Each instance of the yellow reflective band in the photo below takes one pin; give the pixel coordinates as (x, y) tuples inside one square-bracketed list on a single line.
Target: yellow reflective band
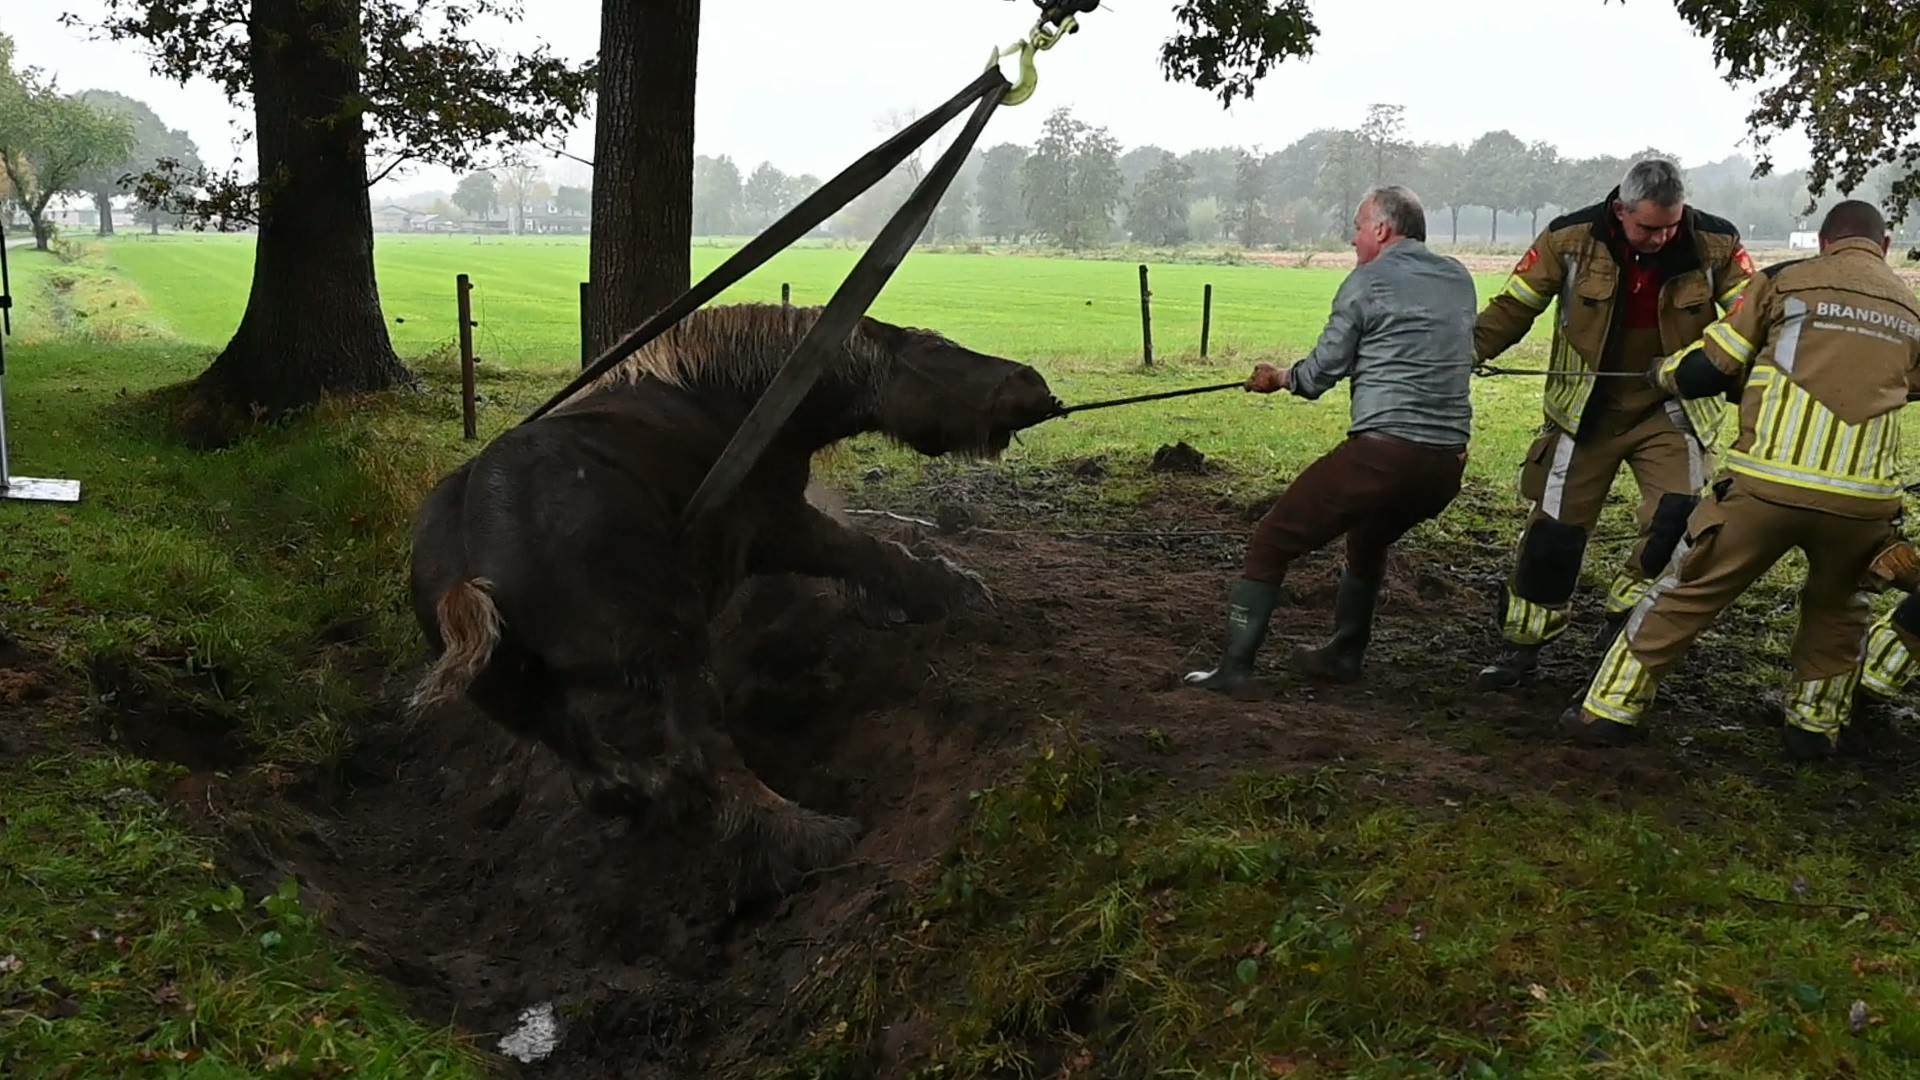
[(1820, 705), (1726, 299), (1731, 340), (1888, 667), (1815, 479), (1525, 293), (1621, 689), (1625, 591)]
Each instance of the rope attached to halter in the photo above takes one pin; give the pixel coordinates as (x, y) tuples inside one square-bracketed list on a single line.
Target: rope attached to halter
[(1069, 410), (1489, 369)]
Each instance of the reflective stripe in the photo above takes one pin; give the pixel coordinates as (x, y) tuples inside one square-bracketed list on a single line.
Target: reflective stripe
[(1800, 442), (1621, 689), (1555, 495), (1667, 581), (1726, 299), (1821, 705), (1528, 623), (1810, 478), (1696, 453), (1788, 348), (1525, 293), (1731, 341), (1626, 591), (1887, 667)]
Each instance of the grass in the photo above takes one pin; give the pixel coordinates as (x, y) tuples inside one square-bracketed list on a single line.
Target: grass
[(127, 953), (1078, 321), (1289, 926), (1307, 926)]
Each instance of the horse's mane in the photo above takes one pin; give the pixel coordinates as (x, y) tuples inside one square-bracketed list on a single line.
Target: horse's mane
[(738, 348)]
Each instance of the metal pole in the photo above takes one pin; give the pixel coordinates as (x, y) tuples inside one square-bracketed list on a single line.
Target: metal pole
[(586, 354), (463, 288), (23, 488), (1146, 318), (1206, 318)]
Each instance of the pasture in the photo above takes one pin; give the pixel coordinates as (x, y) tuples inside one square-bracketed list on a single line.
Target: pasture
[(224, 853)]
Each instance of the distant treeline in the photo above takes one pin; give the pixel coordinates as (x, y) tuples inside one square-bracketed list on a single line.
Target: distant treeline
[(1076, 187)]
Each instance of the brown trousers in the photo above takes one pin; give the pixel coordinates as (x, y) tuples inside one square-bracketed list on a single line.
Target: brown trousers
[(1736, 538), (1370, 489), (1568, 481)]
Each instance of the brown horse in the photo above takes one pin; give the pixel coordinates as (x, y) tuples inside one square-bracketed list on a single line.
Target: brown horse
[(555, 584)]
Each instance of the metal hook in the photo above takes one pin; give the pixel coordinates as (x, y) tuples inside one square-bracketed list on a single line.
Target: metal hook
[(1039, 39)]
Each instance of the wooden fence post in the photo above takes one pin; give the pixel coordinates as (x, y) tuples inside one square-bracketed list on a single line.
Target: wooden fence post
[(463, 290), (1146, 318), (586, 298), (1206, 318), (786, 294)]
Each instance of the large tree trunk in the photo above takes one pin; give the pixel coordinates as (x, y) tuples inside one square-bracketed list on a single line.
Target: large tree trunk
[(1493, 233), (640, 255), (103, 202), (42, 228), (1456, 224), (312, 325)]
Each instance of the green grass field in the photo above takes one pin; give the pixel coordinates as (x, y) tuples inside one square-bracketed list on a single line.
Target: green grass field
[(1078, 321), (1605, 940)]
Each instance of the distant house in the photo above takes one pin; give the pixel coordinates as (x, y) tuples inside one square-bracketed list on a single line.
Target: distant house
[(394, 218), (1804, 241), (548, 217)]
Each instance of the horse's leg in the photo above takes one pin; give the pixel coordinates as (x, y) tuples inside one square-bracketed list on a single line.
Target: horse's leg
[(774, 839), (809, 542)]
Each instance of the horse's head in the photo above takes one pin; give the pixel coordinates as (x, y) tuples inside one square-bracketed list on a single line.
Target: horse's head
[(942, 398)]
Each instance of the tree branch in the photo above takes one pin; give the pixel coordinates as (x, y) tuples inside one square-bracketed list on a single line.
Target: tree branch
[(559, 151), (399, 159)]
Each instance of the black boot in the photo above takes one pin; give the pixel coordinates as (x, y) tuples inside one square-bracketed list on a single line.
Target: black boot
[(1339, 660), (1575, 724), (1804, 745), (1250, 605), (1610, 629), (1514, 665)]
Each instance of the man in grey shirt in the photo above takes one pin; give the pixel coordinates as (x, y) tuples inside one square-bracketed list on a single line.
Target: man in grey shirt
[(1402, 332)]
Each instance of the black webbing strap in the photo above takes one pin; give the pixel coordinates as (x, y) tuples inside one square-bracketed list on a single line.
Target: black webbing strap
[(1137, 399), (828, 333), (796, 223)]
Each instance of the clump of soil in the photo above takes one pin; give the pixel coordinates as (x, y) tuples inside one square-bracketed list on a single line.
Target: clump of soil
[(1179, 458)]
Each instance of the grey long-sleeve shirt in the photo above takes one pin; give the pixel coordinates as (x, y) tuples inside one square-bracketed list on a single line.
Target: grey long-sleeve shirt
[(1402, 330)]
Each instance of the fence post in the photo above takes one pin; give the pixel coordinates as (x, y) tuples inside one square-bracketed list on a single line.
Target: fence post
[(586, 298), (1146, 318), (463, 288), (786, 294), (1206, 318)]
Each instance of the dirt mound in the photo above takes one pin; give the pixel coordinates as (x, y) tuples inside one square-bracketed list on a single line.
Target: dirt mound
[(1179, 458), (462, 862)]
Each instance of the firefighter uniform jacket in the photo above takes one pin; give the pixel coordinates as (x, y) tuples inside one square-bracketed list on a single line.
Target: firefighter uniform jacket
[(1704, 268), (1821, 354)]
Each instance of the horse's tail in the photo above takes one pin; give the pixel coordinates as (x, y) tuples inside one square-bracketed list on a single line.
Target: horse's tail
[(469, 632)]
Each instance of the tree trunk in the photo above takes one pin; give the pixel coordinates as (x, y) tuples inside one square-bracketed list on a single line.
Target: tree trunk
[(1456, 224), (103, 202), (42, 228), (153, 223), (641, 252), (312, 324), (1535, 229), (1493, 235)]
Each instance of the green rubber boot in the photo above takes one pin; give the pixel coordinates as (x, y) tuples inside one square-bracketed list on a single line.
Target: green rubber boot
[(1341, 658), (1250, 605)]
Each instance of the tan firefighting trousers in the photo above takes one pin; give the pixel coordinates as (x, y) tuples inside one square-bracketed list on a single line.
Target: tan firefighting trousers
[(1733, 538), (1889, 663), (1568, 480)]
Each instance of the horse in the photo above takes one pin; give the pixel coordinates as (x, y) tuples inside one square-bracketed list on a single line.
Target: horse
[(561, 594)]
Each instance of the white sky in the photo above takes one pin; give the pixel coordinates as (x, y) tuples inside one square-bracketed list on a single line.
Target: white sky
[(809, 84)]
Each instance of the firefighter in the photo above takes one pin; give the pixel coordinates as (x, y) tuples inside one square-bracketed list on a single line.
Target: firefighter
[(1820, 354), (1888, 662), (1637, 276)]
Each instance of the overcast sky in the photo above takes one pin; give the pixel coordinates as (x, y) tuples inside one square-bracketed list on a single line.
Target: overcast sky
[(810, 85)]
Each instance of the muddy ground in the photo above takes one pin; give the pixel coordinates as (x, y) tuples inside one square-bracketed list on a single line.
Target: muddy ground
[(462, 865)]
